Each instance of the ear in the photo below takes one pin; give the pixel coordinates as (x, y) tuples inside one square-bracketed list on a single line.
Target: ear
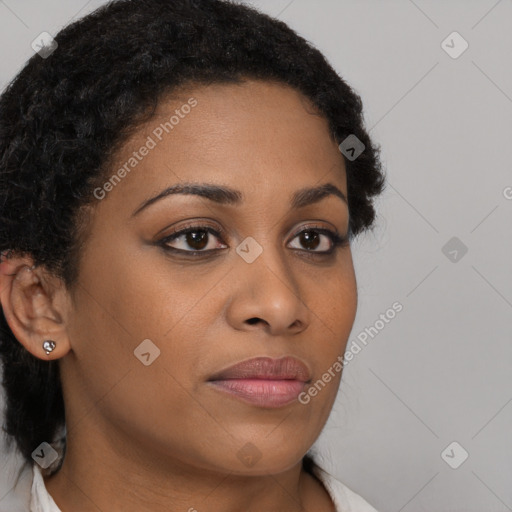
[(36, 306)]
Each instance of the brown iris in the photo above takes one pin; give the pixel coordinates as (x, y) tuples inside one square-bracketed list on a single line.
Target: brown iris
[(306, 237), (197, 239)]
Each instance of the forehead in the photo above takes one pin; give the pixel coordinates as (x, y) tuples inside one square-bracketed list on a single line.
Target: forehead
[(256, 135)]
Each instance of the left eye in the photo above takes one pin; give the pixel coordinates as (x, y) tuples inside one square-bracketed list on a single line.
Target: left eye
[(198, 239), (311, 239)]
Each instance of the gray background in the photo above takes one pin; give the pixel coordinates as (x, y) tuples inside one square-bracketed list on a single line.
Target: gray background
[(441, 370)]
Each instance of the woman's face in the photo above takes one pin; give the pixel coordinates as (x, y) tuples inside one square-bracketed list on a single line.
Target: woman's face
[(259, 289)]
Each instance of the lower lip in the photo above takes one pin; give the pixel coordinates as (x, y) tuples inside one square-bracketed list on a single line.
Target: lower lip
[(262, 392)]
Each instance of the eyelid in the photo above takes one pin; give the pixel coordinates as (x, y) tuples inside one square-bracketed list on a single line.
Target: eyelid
[(198, 225), (314, 225)]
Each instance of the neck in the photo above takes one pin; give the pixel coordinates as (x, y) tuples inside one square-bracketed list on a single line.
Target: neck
[(97, 477)]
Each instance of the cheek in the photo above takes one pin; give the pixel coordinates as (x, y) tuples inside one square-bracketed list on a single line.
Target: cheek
[(335, 312), (335, 298), (149, 300), (341, 309), (115, 315)]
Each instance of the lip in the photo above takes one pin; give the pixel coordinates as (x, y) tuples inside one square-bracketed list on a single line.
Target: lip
[(285, 368), (263, 381)]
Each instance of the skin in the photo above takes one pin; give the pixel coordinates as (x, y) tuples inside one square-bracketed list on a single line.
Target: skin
[(157, 437)]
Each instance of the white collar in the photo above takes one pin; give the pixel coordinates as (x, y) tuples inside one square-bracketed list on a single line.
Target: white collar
[(40, 499), (344, 498)]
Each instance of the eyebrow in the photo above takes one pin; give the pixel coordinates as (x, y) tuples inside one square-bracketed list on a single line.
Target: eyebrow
[(226, 195)]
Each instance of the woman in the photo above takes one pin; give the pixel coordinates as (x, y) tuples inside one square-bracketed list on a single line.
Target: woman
[(181, 182)]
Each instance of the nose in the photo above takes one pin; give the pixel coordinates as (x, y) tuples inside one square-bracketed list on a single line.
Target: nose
[(265, 295)]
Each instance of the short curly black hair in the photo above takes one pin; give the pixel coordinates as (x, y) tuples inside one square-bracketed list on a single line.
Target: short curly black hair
[(63, 117)]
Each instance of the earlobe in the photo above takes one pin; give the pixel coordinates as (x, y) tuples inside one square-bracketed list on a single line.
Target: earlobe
[(31, 309)]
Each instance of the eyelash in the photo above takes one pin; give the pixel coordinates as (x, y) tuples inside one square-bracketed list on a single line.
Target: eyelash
[(337, 240)]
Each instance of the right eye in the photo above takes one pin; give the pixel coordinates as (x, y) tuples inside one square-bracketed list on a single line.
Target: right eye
[(196, 237)]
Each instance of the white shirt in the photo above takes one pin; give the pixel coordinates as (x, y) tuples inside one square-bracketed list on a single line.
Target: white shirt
[(39, 500)]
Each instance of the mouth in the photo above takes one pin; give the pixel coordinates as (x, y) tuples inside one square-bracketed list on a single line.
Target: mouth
[(263, 381)]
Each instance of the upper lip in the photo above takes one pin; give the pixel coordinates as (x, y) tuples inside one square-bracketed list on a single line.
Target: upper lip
[(284, 368)]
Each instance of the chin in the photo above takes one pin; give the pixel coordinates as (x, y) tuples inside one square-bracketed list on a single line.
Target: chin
[(251, 461)]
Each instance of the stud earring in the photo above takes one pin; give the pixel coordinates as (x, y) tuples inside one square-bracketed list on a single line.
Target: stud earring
[(48, 346)]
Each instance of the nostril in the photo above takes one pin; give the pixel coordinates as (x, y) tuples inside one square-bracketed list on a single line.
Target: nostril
[(253, 320)]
